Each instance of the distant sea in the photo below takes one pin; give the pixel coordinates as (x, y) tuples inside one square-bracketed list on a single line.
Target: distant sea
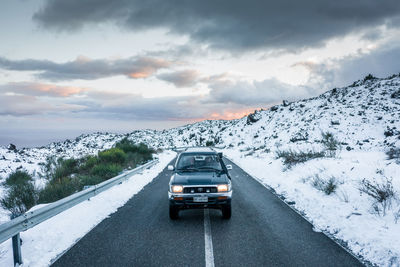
[(35, 138)]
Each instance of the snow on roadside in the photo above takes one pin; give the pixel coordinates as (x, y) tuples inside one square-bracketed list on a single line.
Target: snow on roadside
[(346, 214), (44, 242)]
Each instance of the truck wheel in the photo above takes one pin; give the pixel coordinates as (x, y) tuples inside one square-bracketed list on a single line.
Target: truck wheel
[(226, 211), (173, 212)]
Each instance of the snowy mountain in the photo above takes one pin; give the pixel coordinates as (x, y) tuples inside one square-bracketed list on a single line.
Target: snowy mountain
[(334, 191), (364, 116)]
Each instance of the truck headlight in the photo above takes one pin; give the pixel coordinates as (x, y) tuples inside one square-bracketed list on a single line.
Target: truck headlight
[(177, 188), (223, 188)]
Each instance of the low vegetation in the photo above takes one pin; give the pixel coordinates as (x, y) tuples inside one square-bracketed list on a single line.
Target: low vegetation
[(21, 194), (394, 153), (382, 192), (67, 176), (328, 186), (292, 157), (330, 143)]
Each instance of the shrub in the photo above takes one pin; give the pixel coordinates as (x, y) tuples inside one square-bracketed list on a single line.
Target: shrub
[(89, 162), (64, 168), (89, 180), (113, 155), (133, 159), (47, 168), (299, 136), (382, 193), (128, 146), (56, 190), (21, 194), (19, 198), (394, 153), (330, 143), (291, 157), (327, 186), (19, 177), (369, 77), (209, 143), (90, 170), (106, 170)]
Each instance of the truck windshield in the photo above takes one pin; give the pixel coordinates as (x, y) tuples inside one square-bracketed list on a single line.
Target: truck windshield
[(199, 162)]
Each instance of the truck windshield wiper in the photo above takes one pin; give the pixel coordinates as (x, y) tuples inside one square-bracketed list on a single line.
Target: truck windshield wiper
[(210, 168), (187, 168)]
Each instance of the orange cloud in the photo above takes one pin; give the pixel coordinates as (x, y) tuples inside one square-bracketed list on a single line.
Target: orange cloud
[(41, 89), (229, 114), (63, 91), (147, 66), (140, 74)]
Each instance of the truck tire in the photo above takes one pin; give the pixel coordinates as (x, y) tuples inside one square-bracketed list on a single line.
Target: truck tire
[(173, 212), (226, 211)]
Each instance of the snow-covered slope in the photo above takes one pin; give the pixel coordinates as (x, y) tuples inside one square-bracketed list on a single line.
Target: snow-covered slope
[(363, 117)]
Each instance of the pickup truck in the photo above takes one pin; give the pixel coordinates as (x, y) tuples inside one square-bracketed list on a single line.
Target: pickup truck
[(200, 181)]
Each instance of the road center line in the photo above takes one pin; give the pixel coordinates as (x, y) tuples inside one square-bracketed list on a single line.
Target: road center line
[(208, 246)]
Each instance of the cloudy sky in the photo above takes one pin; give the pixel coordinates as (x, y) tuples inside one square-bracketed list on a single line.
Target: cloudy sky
[(80, 66)]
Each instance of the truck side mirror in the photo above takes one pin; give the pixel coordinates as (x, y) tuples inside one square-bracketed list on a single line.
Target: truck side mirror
[(220, 155), (170, 167)]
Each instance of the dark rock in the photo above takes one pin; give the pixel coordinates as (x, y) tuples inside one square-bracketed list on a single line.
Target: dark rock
[(12, 147), (348, 148), (253, 117), (388, 132), (396, 94), (274, 108), (285, 103)]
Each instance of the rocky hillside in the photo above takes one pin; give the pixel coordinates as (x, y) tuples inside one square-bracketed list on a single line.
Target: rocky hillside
[(362, 116)]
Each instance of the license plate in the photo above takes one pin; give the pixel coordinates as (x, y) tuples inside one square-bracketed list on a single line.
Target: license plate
[(200, 199)]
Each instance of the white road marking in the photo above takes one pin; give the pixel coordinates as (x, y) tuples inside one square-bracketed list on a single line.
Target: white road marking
[(208, 246)]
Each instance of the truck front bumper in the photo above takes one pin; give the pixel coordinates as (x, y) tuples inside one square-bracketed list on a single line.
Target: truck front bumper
[(190, 201)]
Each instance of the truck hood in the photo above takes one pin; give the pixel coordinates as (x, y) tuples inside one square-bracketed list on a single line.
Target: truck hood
[(199, 178)]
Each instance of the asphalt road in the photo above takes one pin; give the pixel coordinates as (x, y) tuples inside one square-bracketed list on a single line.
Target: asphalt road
[(263, 231)]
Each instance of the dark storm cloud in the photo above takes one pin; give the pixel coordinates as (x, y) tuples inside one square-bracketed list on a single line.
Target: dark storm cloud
[(229, 24), (184, 78), (88, 69), (381, 63)]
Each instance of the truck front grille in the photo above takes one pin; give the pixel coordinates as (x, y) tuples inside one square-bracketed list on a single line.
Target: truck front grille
[(200, 189)]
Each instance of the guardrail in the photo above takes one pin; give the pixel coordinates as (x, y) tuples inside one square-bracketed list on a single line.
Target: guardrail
[(11, 229)]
